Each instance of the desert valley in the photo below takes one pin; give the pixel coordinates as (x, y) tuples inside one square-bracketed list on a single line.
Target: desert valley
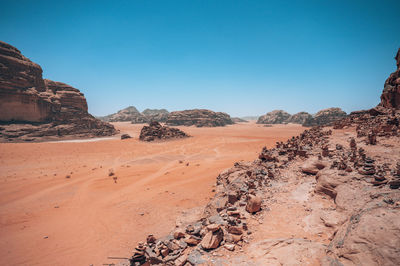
[(168, 184)]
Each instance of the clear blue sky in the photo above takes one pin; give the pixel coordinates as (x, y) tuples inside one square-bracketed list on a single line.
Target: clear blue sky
[(240, 57)]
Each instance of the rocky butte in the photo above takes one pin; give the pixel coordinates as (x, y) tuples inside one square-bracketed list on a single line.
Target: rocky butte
[(33, 108), (199, 118)]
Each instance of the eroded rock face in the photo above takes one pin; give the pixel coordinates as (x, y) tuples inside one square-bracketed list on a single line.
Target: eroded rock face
[(390, 97), (32, 107), (155, 131), (299, 118), (325, 117), (274, 117), (199, 118)]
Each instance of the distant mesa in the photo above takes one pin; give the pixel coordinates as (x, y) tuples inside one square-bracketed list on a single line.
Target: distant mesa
[(199, 118), (325, 117), (131, 114), (155, 131), (33, 108), (274, 117), (390, 97), (239, 120)]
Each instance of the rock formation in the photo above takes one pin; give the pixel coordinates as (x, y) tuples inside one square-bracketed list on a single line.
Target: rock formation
[(130, 114), (159, 115), (390, 97), (199, 118), (274, 117), (155, 131), (33, 108), (325, 117), (299, 118), (356, 181)]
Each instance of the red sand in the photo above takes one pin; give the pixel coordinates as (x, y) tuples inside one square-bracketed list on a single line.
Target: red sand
[(48, 219)]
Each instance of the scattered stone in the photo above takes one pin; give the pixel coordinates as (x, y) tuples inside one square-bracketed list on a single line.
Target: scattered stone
[(125, 136)]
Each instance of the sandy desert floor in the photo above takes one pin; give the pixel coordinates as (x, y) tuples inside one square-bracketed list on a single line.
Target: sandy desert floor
[(59, 206)]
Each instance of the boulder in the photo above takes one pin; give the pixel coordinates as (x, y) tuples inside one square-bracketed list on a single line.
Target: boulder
[(253, 204), (212, 239)]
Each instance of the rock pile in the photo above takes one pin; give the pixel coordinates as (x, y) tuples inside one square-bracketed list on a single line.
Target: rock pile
[(155, 131), (199, 118), (33, 108)]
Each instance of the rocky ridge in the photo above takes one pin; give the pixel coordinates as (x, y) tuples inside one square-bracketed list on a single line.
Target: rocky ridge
[(34, 109), (155, 131), (199, 118)]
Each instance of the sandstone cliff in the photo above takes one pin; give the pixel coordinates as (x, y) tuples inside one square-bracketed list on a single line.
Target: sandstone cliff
[(199, 118), (390, 97), (32, 108)]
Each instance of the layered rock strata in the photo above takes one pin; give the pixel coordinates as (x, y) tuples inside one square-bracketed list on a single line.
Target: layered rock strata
[(33, 108)]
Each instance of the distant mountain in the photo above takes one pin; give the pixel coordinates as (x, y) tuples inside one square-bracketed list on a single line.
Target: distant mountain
[(128, 114)]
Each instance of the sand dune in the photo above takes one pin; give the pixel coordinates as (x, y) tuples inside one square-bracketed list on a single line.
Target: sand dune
[(59, 206)]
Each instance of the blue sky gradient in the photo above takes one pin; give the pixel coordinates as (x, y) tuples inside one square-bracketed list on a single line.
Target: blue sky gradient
[(240, 57)]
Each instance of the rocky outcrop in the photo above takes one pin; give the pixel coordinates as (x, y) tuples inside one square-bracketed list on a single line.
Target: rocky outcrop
[(159, 115), (274, 117), (199, 118), (130, 114), (325, 117), (299, 118), (390, 97), (155, 131), (33, 108)]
